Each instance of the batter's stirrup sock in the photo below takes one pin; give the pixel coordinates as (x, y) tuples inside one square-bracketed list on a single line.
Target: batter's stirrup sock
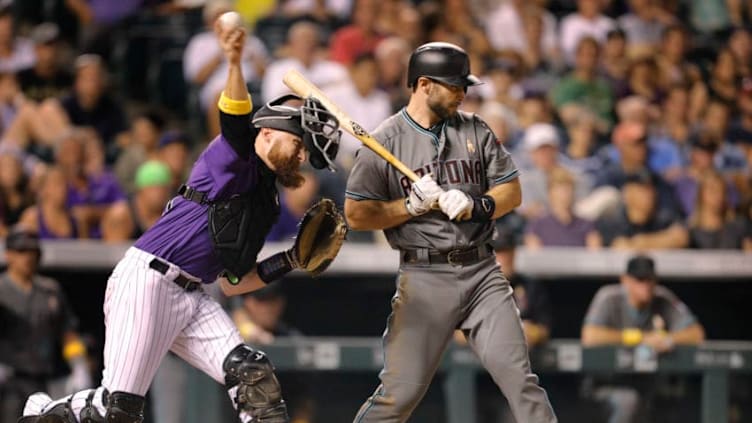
[(123, 407)]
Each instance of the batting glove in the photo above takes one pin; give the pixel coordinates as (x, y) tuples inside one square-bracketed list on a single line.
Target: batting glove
[(458, 205), (423, 194)]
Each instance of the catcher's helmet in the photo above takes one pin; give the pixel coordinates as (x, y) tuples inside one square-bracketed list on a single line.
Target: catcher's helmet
[(443, 62), (312, 122)]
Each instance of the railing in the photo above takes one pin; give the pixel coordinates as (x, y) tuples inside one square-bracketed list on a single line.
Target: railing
[(714, 360), (364, 259)]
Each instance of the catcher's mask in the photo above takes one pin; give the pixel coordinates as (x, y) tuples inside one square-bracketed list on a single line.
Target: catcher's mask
[(318, 128)]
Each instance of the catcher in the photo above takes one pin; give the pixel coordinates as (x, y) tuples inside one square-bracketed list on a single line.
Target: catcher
[(216, 226)]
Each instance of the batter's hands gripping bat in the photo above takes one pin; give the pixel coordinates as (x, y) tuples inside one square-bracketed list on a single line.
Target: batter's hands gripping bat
[(304, 88)]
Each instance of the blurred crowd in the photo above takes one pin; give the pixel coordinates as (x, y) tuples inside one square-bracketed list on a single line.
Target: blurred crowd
[(631, 121)]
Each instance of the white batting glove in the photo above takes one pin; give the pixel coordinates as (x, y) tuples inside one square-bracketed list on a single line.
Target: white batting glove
[(423, 194), (456, 203)]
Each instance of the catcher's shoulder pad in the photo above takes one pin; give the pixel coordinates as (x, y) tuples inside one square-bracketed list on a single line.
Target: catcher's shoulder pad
[(321, 232)]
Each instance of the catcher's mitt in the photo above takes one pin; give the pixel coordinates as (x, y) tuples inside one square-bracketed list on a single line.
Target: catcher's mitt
[(321, 233)]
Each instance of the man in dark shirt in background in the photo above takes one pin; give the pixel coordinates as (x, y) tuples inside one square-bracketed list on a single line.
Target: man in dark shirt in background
[(36, 322)]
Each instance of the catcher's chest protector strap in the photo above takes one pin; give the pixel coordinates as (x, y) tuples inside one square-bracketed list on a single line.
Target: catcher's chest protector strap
[(239, 225)]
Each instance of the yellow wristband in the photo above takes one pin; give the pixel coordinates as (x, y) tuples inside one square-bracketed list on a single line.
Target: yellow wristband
[(631, 337), (74, 349), (234, 107)]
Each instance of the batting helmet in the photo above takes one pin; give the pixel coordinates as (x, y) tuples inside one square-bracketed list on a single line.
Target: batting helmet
[(444, 62), (312, 122)]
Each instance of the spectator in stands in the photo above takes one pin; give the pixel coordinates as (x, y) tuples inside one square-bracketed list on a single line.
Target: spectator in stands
[(740, 46), (508, 28), (47, 78), (636, 312), (16, 52), (15, 195), (581, 146), (674, 122), (51, 217), (587, 22), (629, 156), (583, 91), (642, 223), (702, 151), (723, 82), (90, 103), (259, 318), (175, 151), (205, 68), (663, 155), (710, 17), (541, 142), (453, 21), (740, 130), (503, 76), (138, 145), (730, 158), (401, 19), (36, 319), (641, 80), (91, 189), (392, 55), (559, 226), (293, 205), (358, 38), (129, 219), (303, 44), (644, 25), (614, 63), (713, 223), (674, 68)]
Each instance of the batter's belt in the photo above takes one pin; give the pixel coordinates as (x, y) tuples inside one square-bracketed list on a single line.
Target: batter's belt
[(459, 257)]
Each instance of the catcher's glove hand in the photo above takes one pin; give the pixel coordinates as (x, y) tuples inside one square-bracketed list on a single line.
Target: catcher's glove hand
[(321, 233)]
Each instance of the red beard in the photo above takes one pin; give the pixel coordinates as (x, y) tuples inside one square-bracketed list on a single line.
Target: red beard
[(286, 168)]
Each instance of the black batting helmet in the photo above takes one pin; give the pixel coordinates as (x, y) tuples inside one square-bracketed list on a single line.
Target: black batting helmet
[(312, 122), (444, 62)]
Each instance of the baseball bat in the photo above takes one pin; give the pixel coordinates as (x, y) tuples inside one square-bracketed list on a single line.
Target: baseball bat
[(305, 88)]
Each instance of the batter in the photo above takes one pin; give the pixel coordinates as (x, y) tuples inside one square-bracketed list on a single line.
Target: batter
[(448, 277)]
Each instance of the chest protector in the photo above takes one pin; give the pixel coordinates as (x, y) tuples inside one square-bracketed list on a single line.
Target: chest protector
[(240, 224)]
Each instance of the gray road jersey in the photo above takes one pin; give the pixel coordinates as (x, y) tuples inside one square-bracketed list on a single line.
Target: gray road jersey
[(466, 155), (610, 308)]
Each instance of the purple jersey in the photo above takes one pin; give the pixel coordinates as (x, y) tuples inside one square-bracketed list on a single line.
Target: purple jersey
[(181, 236)]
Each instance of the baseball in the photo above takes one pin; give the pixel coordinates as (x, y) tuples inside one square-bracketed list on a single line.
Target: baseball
[(231, 20)]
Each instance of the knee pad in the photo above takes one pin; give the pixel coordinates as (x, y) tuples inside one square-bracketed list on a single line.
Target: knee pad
[(123, 407), (249, 376)]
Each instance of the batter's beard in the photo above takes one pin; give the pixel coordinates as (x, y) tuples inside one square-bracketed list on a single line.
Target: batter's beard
[(286, 168), (440, 110)]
